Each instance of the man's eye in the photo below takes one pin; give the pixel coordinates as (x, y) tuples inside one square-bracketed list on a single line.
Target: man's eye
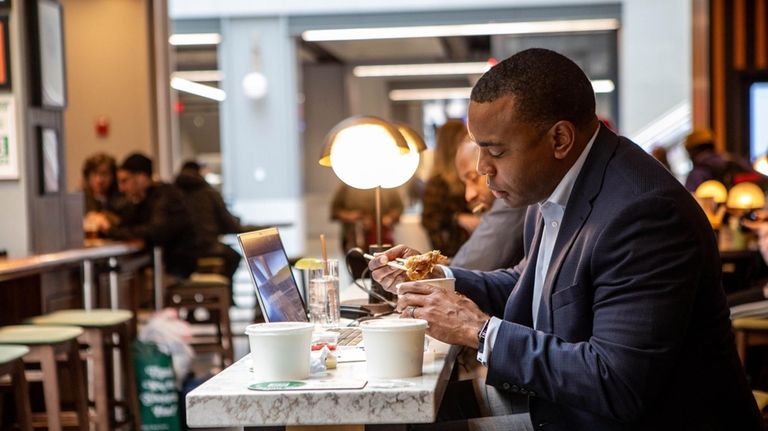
[(493, 152)]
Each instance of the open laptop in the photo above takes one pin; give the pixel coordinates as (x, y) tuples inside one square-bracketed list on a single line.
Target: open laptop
[(276, 289)]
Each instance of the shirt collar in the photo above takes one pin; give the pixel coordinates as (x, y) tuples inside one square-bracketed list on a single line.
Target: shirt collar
[(563, 190)]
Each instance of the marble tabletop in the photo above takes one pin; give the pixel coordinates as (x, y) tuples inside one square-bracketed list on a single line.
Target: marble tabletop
[(225, 400)]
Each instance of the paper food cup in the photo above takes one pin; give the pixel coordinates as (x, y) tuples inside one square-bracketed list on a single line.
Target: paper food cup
[(448, 284), (394, 348), (280, 350)]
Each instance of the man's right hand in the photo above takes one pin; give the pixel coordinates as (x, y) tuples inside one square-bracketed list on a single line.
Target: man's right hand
[(389, 277)]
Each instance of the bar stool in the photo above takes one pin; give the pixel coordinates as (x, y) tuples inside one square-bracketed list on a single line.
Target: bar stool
[(12, 366), (103, 331), (749, 332), (208, 292), (47, 345)]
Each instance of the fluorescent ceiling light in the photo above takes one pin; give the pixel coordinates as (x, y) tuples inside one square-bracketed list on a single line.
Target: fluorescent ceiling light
[(472, 68), (603, 86), (529, 27), (199, 75), (198, 89), (599, 85), (430, 93), (187, 39)]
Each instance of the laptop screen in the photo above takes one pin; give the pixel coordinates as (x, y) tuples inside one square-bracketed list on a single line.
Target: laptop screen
[(276, 289)]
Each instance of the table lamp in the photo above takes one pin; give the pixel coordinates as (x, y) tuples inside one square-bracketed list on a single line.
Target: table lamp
[(370, 153), (367, 152), (711, 195), (742, 198)]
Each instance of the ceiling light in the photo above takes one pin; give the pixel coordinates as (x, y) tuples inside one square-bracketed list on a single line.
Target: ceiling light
[(471, 68), (199, 75), (528, 27), (603, 86), (188, 39), (599, 85), (430, 93), (201, 90)]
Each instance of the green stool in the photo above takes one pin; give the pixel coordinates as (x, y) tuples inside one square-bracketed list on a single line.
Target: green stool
[(104, 331), (46, 346), (11, 365)]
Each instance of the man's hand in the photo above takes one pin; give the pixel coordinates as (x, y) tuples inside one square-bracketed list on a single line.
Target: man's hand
[(452, 318), (387, 276)]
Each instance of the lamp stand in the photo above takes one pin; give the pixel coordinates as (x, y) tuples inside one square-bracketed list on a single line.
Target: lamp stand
[(378, 216), (377, 248)]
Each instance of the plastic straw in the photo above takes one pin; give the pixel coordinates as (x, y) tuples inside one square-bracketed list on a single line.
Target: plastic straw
[(325, 254)]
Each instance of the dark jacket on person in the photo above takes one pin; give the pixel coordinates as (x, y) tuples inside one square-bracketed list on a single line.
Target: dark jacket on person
[(633, 331), (210, 215), (115, 203), (161, 219)]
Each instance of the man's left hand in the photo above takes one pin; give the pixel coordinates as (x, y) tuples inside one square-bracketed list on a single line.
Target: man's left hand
[(453, 318)]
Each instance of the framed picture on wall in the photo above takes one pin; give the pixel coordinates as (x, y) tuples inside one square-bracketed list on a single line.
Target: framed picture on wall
[(53, 89), (9, 152), (5, 54), (49, 160)]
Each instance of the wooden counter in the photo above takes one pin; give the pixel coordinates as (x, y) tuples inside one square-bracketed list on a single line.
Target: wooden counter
[(47, 282), (39, 263)]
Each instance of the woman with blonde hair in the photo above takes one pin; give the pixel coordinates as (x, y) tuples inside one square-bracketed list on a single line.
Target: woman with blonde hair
[(445, 215)]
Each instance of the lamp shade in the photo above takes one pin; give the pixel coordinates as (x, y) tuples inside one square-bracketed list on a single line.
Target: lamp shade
[(367, 152), (712, 189), (761, 165), (746, 196)]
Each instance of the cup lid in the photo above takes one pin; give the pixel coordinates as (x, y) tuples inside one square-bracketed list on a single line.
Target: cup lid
[(393, 324), (278, 328)]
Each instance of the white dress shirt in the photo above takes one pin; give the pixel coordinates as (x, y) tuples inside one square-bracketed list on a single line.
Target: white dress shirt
[(552, 210)]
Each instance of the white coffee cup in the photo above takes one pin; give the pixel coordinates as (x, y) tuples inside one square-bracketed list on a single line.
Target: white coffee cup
[(447, 284), (394, 348), (280, 350)]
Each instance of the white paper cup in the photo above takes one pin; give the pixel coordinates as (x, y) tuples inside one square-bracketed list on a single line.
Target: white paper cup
[(280, 350), (394, 348), (448, 284)]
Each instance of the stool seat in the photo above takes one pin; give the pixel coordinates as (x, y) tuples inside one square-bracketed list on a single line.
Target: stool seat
[(751, 324), (28, 334), (199, 278), (88, 319), (12, 352)]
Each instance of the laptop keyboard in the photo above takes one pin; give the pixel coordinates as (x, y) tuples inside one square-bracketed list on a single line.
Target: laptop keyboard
[(349, 336)]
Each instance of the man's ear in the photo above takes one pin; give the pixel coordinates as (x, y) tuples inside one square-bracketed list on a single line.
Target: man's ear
[(563, 138)]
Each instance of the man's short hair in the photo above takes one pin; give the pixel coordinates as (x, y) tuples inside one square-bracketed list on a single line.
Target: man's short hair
[(137, 163), (547, 86)]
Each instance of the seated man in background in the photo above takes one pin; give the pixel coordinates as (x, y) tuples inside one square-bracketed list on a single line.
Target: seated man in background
[(497, 242), (103, 202), (157, 215), (211, 217)]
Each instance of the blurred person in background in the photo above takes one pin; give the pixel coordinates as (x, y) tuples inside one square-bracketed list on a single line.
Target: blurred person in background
[(103, 201), (356, 210), (660, 153), (156, 215), (445, 215), (497, 242), (709, 164), (211, 218)]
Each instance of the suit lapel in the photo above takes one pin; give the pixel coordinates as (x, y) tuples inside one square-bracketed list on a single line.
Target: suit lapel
[(586, 188)]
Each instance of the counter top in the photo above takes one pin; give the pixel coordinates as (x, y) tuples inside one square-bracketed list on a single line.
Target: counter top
[(13, 268), (225, 400)]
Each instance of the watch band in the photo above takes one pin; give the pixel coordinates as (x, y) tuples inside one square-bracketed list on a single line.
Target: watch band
[(481, 336)]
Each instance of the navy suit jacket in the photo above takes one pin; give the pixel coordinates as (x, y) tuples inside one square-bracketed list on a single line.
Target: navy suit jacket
[(633, 331)]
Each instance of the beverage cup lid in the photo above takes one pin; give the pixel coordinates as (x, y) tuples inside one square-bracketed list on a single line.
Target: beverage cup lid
[(279, 328), (387, 325)]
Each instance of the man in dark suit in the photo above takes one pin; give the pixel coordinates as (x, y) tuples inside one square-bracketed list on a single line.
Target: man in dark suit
[(615, 319)]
